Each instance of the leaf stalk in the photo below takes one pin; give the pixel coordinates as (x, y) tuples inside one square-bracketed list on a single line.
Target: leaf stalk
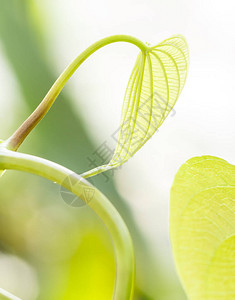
[(17, 138)]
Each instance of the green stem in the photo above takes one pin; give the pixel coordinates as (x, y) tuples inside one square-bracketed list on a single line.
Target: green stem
[(99, 203), (21, 133), (4, 295)]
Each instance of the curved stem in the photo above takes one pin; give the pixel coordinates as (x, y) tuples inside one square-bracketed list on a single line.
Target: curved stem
[(21, 133), (4, 295), (99, 203)]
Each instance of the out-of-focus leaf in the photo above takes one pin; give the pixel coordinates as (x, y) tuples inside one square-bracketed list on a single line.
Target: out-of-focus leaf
[(91, 272), (202, 227), (154, 86)]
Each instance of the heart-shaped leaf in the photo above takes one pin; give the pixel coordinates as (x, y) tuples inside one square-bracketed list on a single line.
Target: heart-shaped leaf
[(154, 86), (202, 227)]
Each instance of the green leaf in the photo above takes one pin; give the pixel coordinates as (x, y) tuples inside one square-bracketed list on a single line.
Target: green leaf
[(35, 74), (154, 86), (202, 227)]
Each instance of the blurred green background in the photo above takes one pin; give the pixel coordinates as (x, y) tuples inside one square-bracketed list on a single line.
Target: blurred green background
[(48, 249)]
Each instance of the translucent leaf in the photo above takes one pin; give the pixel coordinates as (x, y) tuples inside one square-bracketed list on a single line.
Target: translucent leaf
[(154, 86), (202, 227)]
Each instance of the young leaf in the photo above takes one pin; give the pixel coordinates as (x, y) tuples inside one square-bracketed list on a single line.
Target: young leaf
[(202, 227), (154, 86)]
